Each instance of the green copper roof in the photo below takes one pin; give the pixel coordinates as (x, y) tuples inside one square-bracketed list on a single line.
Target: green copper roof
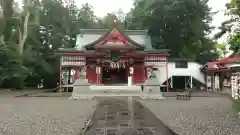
[(90, 35), (66, 50)]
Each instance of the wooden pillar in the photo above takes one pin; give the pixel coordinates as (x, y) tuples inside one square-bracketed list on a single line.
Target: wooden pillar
[(143, 73), (213, 81), (167, 75), (146, 73), (191, 82), (60, 76), (209, 81), (68, 77), (76, 74)]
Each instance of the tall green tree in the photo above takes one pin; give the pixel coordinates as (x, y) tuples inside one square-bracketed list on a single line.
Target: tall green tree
[(86, 16), (232, 26), (180, 26), (59, 23)]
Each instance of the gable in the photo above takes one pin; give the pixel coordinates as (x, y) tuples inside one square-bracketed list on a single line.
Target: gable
[(114, 39)]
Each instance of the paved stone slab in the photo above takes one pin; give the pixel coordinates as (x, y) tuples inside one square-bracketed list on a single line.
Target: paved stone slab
[(125, 117)]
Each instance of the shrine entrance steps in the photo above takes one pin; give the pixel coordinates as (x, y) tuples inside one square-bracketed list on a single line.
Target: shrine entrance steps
[(116, 88), (89, 92)]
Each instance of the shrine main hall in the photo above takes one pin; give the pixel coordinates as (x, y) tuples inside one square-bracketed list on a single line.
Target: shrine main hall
[(104, 58)]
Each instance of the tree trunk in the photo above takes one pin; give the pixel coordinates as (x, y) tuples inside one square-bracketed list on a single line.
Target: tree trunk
[(22, 39), (7, 6), (23, 36)]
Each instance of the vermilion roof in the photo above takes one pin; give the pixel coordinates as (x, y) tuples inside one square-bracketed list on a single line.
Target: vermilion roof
[(215, 65), (229, 60), (220, 64)]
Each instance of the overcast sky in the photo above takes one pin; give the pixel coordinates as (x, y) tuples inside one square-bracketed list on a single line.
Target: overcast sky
[(102, 7)]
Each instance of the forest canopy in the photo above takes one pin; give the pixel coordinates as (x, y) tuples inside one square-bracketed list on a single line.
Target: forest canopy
[(30, 36)]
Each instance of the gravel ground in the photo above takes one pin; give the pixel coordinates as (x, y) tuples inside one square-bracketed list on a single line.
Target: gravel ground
[(199, 116), (43, 116), (59, 116)]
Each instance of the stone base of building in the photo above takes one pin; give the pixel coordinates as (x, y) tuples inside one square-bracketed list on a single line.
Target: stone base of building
[(86, 93), (81, 97), (152, 97), (142, 96), (115, 88)]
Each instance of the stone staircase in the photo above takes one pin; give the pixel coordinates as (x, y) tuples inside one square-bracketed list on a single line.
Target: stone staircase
[(91, 94), (115, 88), (83, 90)]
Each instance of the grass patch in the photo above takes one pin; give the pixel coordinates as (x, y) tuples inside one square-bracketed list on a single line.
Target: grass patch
[(236, 105)]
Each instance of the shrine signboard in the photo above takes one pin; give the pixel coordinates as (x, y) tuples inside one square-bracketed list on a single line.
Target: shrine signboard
[(73, 60), (155, 60)]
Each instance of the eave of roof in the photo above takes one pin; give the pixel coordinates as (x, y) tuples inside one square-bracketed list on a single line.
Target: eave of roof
[(221, 63), (214, 66), (181, 59), (228, 60), (73, 50), (101, 31)]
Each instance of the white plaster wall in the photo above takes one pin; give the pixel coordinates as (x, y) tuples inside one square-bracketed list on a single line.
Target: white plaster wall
[(192, 70)]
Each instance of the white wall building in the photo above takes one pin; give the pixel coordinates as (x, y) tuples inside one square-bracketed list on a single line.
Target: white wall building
[(186, 69)]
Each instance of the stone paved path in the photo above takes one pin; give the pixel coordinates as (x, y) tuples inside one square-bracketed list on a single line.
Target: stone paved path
[(113, 117)]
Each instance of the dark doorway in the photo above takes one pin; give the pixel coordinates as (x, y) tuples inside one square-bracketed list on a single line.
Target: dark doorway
[(179, 82), (114, 75)]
